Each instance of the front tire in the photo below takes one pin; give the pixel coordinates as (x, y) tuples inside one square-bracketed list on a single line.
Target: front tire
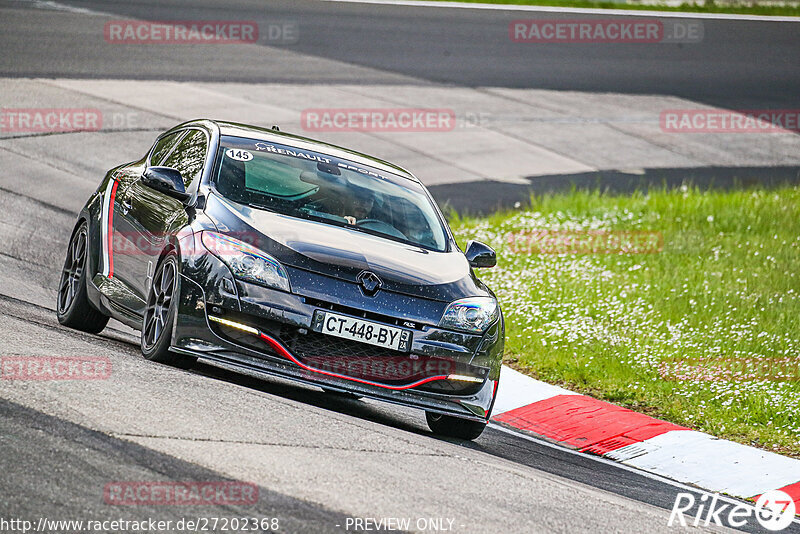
[(454, 427), (73, 308), (159, 315)]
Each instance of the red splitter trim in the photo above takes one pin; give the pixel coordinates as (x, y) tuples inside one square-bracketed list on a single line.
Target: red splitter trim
[(276, 345)]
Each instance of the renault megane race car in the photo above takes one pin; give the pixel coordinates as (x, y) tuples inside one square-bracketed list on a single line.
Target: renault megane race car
[(278, 254)]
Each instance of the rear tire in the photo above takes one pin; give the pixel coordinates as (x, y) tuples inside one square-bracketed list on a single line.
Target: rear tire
[(454, 427), (159, 315), (73, 308)]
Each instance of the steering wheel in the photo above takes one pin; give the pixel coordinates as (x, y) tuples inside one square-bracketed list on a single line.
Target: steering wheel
[(380, 226)]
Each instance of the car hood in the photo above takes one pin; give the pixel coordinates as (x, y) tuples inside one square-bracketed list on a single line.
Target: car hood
[(343, 253)]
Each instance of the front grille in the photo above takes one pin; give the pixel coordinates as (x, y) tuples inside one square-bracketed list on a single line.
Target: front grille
[(354, 359), (361, 360), (314, 344)]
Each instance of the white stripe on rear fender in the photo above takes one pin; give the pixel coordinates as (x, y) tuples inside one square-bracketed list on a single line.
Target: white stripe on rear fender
[(106, 232)]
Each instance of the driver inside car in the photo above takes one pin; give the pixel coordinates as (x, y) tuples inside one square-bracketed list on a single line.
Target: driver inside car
[(360, 208)]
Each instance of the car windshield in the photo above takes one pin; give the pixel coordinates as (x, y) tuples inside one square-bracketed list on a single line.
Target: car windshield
[(307, 184)]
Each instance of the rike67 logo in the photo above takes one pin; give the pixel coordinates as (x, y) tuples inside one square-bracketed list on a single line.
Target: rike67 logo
[(774, 511)]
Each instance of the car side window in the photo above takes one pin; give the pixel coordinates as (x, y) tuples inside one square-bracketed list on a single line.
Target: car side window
[(189, 156), (163, 146)]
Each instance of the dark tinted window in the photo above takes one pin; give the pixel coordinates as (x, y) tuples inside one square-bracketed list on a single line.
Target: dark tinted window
[(189, 156), (312, 185), (162, 147)]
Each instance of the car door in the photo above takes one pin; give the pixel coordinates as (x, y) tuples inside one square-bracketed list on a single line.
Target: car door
[(121, 258), (149, 215)]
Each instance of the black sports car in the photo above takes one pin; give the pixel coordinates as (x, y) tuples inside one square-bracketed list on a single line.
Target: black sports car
[(287, 256)]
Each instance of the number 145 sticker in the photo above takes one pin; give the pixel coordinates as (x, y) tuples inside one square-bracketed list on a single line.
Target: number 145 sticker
[(239, 155)]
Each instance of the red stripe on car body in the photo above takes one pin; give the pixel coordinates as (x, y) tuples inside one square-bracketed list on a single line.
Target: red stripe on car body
[(110, 235)]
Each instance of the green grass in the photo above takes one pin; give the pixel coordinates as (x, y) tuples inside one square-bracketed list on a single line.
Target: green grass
[(744, 8), (723, 290)]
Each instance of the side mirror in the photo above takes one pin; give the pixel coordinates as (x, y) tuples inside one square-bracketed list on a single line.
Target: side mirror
[(480, 255), (167, 180)]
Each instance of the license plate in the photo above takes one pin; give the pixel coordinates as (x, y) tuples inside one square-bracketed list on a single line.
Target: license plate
[(376, 334)]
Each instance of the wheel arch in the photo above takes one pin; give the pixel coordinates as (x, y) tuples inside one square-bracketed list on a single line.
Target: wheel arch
[(172, 245)]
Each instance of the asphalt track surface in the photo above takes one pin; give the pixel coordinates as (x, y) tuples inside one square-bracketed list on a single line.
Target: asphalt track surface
[(738, 63), (317, 459)]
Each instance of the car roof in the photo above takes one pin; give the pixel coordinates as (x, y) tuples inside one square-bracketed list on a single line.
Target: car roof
[(274, 136)]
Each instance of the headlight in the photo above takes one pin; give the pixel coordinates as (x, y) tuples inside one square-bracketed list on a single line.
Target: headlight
[(473, 314), (247, 262)]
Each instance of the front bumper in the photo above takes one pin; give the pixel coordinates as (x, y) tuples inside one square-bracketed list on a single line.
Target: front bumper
[(269, 331)]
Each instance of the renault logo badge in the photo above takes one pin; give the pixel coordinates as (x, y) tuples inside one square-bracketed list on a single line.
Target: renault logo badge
[(370, 283)]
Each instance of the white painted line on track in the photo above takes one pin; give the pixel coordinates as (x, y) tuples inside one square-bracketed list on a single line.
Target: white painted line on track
[(57, 6), (600, 459), (574, 10), (684, 455), (517, 390), (710, 462)]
